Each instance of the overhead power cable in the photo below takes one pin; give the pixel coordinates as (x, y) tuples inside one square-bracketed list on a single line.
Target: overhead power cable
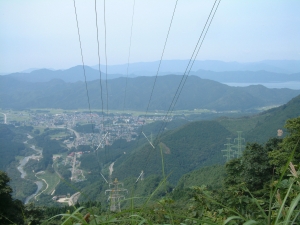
[(195, 58), (83, 67), (100, 80), (186, 73), (105, 59), (104, 20), (162, 54), (99, 61), (125, 92), (190, 64), (141, 131)]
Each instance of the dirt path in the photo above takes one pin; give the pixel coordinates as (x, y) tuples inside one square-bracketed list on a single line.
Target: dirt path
[(111, 168)]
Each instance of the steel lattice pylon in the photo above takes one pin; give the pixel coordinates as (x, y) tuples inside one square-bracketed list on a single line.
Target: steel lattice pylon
[(115, 189), (239, 145), (229, 152)]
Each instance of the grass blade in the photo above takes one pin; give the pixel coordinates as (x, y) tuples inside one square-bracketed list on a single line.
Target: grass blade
[(250, 222), (283, 202), (232, 218), (291, 209)]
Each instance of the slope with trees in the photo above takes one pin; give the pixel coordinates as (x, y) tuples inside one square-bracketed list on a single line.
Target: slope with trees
[(197, 94)]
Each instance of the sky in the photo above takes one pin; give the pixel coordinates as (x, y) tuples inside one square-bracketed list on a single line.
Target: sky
[(43, 33)]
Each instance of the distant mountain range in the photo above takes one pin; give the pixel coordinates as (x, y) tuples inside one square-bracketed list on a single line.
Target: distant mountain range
[(179, 66), (71, 75), (247, 76), (224, 72), (197, 94)]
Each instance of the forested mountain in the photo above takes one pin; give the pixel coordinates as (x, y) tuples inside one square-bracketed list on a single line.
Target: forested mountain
[(199, 144), (197, 94), (184, 149), (274, 120), (10, 146)]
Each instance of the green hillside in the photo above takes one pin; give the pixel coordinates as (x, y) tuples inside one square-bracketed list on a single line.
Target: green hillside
[(210, 176), (261, 127), (274, 119), (189, 147), (199, 144), (10, 145)]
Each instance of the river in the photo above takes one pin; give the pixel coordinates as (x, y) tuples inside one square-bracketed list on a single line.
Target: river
[(23, 162), (21, 166), (39, 187)]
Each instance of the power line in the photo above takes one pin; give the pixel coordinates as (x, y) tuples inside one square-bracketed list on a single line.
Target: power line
[(159, 66), (141, 132), (188, 68), (172, 105), (104, 17), (83, 66), (128, 55), (100, 78), (196, 54), (161, 57), (100, 74), (185, 75), (105, 58)]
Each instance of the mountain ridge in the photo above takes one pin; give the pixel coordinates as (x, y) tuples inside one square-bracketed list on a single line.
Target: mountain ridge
[(220, 71), (197, 94)]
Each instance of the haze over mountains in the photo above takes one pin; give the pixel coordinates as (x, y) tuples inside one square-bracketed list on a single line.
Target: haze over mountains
[(173, 66), (197, 94), (65, 89), (225, 72)]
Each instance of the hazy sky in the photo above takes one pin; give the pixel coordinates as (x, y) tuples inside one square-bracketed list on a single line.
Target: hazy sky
[(43, 33)]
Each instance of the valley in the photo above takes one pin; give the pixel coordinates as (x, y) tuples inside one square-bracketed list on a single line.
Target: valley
[(83, 151), (73, 131), (149, 112)]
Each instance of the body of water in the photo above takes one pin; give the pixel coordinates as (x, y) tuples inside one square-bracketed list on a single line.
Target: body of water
[(291, 85)]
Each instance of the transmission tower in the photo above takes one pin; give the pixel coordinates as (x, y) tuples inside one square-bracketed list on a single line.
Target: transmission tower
[(115, 189), (229, 153), (239, 145)]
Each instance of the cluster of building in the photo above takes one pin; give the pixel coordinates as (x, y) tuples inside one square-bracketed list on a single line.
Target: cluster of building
[(112, 126)]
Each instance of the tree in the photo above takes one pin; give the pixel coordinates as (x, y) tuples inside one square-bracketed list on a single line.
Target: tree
[(256, 170), (281, 155), (253, 168), (10, 210)]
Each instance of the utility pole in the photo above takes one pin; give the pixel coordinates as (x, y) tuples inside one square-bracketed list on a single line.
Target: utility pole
[(115, 189), (229, 153), (239, 145)]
